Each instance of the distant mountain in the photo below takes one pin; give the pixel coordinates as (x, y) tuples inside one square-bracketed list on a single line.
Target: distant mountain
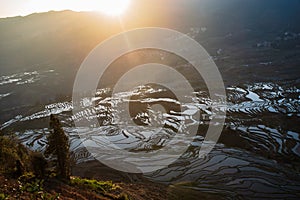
[(53, 38)]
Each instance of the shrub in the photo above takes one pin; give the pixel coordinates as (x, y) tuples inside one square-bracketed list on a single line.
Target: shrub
[(38, 163), (12, 156), (35, 186)]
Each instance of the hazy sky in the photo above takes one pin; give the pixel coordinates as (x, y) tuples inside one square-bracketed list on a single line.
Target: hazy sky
[(10, 8)]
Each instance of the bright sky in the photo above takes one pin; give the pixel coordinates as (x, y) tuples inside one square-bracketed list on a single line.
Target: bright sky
[(10, 8)]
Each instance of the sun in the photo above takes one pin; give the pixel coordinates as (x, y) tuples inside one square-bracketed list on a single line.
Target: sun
[(112, 7)]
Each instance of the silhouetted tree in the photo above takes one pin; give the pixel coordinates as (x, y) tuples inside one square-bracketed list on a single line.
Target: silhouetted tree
[(58, 146), (39, 164)]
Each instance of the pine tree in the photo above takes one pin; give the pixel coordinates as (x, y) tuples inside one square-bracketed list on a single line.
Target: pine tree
[(58, 146)]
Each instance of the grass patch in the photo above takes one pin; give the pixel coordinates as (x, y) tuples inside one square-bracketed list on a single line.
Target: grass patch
[(3, 196), (97, 186), (102, 187), (32, 186)]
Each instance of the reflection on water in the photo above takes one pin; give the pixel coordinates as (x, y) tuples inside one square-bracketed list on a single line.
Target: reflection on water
[(233, 172), (259, 150)]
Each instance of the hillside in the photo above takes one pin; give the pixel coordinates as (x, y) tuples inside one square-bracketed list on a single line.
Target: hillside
[(106, 185), (242, 37), (256, 47), (25, 174)]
